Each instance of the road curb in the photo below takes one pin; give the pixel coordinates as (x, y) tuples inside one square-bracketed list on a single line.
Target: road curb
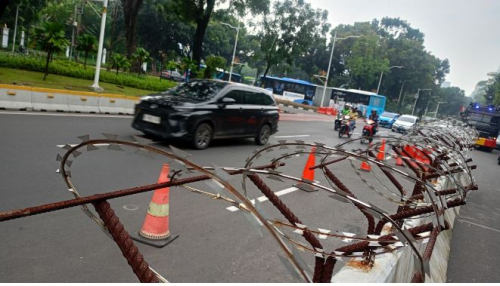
[(13, 97)]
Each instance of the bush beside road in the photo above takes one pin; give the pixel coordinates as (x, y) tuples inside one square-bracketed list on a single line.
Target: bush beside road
[(76, 70)]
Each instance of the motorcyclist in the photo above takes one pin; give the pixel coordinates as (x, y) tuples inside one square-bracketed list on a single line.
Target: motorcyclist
[(346, 110), (353, 116), (374, 116)]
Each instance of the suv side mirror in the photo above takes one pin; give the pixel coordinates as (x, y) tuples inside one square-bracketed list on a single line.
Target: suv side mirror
[(225, 101)]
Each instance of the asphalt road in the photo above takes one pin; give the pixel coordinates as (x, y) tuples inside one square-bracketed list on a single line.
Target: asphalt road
[(475, 246), (215, 244)]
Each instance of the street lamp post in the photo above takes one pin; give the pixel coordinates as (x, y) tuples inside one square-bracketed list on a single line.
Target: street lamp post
[(101, 44), (15, 29), (416, 98), (235, 45), (330, 64), (382, 74), (437, 108)]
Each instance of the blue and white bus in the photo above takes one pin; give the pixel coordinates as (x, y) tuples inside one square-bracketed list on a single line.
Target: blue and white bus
[(295, 90), (365, 101)]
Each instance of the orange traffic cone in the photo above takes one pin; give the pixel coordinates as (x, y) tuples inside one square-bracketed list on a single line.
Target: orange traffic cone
[(155, 229), (399, 160), (381, 152), (365, 166), (308, 173)]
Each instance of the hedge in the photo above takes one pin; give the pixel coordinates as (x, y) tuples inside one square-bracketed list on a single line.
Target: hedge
[(76, 70)]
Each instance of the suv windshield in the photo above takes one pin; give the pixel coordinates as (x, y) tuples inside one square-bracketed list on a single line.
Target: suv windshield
[(406, 119), (199, 90)]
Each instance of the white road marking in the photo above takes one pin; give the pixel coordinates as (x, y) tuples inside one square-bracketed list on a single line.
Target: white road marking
[(478, 225), (99, 145), (292, 136), (264, 198), (131, 207), (65, 114)]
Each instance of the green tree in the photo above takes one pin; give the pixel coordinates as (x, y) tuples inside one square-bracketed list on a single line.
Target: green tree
[(131, 10), (50, 38), (454, 98), (140, 56), (86, 43), (119, 62), (200, 12), (289, 30), (492, 89), (160, 28), (213, 63), (366, 61)]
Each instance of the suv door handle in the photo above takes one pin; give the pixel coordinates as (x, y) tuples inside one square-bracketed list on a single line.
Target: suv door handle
[(241, 109)]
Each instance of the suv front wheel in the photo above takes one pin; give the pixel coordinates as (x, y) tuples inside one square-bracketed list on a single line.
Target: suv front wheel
[(263, 136), (202, 136)]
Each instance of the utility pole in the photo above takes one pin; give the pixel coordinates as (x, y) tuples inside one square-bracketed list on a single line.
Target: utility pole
[(95, 86), (15, 29), (73, 25), (330, 63)]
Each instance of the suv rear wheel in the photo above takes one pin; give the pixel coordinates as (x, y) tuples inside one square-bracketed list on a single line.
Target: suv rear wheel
[(263, 136), (202, 136)]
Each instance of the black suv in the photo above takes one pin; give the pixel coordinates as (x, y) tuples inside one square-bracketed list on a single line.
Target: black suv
[(202, 110)]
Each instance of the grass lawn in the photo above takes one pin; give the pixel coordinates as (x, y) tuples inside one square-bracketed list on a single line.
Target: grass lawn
[(35, 79)]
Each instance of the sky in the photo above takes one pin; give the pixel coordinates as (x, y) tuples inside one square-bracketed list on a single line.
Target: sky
[(467, 32)]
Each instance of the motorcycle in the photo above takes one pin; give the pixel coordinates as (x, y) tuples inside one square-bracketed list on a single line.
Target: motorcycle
[(345, 127), (338, 121), (369, 131)]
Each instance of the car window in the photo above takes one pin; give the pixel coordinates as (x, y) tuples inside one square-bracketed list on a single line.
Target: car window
[(266, 99), (198, 89), (237, 95), (253, 98), (406, 119)]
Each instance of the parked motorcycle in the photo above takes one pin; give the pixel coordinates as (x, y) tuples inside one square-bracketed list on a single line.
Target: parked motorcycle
[(345, 127), (369, 131)]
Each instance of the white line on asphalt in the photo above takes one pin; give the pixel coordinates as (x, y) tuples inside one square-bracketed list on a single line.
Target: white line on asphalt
[(264, 198), (292, 136), (478, 225), (65, 114), (99, 145)]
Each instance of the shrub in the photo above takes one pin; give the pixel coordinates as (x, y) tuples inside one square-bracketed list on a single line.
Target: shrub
[(76, 70)]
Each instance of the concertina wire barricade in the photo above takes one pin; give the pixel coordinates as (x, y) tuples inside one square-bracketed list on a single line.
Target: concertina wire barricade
[(430, 151)]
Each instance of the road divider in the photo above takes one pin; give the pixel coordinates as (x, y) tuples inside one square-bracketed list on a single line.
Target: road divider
[(13, 97)]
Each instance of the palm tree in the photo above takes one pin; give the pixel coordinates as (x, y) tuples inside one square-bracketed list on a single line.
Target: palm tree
[(119, 62), (86, 43), (140, 56), (50, 38)]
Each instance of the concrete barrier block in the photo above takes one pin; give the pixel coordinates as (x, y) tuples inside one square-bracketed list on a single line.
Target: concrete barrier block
[(109, 104), (15, 97), (84, 102), (48, 100), (399, 266)]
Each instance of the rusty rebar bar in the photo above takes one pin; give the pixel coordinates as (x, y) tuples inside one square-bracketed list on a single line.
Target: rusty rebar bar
[(293, 219), (342, 187), (19, 213), (404, 214), (125, 243)]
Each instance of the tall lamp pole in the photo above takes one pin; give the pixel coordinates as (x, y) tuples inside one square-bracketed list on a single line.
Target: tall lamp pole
[(101, 44), (330, 63), (416, 98), (382, 74), (15, 29), (235, 45), (437, 108)]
